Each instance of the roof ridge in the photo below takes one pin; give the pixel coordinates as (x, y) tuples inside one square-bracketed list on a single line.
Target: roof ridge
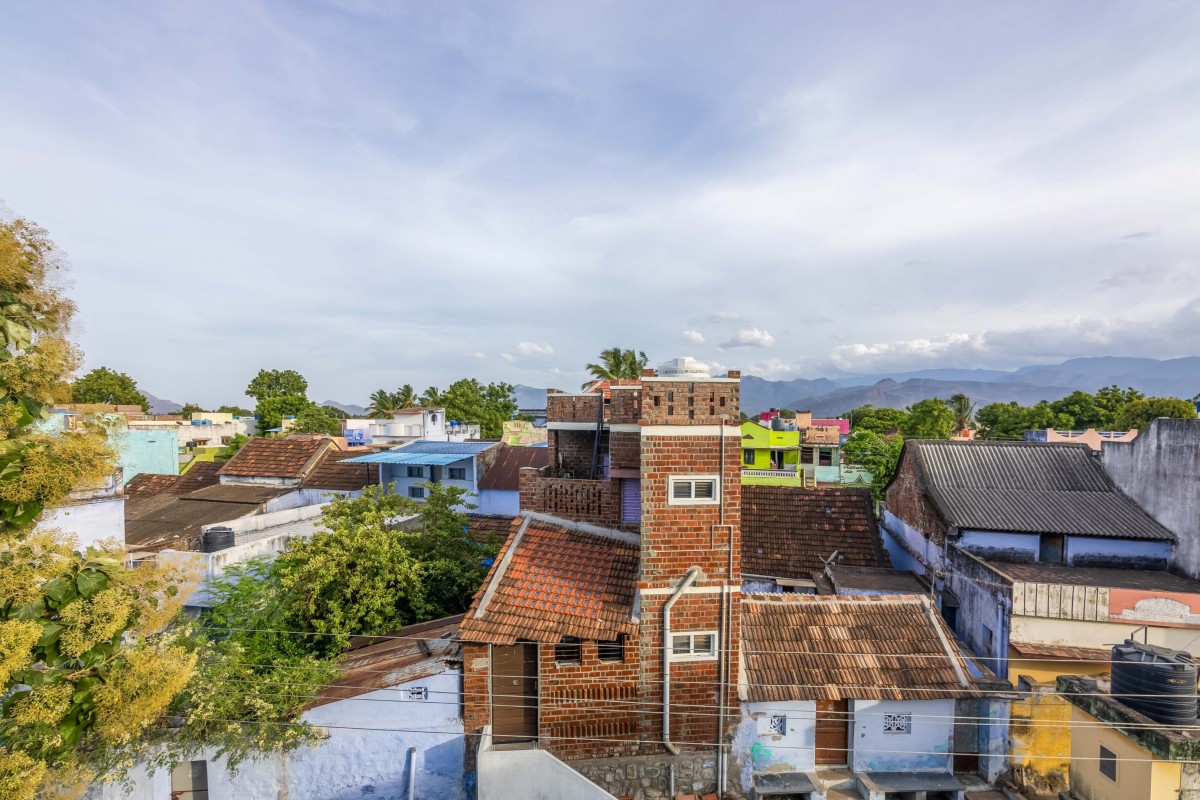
[(584, 527)]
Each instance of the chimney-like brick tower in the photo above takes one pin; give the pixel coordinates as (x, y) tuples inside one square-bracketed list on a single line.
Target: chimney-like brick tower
[(691, 534)]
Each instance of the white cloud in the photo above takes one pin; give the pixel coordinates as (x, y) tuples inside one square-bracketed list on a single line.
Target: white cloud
[(534, 350), (693, 337), (749, 337), (507, 357), (724, 316), (476, 355)]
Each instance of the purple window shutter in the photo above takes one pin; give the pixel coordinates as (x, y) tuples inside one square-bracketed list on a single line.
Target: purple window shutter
[(631, 501)]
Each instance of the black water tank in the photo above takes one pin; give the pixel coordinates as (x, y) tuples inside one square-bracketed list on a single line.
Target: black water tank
[(1157, 681), (218, 539)]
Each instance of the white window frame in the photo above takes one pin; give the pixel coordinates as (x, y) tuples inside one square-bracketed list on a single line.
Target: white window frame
[(692, 655), (675, 480), (898, 724)]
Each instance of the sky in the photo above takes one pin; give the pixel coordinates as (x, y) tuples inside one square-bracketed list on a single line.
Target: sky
[(378, 193)]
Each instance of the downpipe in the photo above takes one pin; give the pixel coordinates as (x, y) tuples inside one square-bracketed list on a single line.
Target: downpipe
[(692, 574)]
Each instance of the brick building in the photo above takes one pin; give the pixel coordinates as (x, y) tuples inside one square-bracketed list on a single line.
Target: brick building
[(609, 625)]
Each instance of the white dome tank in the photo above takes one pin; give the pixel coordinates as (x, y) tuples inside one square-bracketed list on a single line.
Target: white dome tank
[(684, 368)]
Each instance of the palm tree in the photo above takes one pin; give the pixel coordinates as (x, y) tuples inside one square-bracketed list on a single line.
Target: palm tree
[(964, 412), (404, 397), (617, 364), (431, 397), (381, 403)]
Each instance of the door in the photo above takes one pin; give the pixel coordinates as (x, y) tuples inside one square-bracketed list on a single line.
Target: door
[(833, 738), (514, 693)]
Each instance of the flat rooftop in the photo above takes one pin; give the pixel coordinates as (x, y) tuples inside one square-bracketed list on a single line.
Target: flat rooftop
[(1101, 577)]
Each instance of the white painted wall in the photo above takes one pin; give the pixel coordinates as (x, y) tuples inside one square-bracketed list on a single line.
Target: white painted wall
[(498, 503), (352, 764), (90, 523), (926, 749), (1097, 634), (908, 548), (759, 751), (530, 775)]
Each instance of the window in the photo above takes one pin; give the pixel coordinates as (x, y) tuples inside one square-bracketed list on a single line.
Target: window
[(189, 780), (747, 456), (416, 472), (777, 726), (693, 491), (458, 473), (611, 651), (416, 492), (1108, 763), (694, 645), (987, 639), (897, 723), (568, 651), (824, 458)]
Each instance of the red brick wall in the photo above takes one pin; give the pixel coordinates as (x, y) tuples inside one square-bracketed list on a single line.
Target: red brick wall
[(598, 502), (907, 501), (684, 403), (571, 451), (625, 449), (625, 405), (477, 709), (571, 408), (583, 705)]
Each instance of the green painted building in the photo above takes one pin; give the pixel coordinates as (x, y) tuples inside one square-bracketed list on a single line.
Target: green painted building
[(783, 458)]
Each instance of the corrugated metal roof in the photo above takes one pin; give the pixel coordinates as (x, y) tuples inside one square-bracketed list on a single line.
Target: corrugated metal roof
[(450, 448), (505, 471), (1028, 487)]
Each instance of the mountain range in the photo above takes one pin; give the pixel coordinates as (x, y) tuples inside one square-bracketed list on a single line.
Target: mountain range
[(1176, 377)]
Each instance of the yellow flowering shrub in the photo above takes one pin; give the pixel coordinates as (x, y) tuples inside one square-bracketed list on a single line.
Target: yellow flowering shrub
[(45, 704), (20, 775), (17, 638), (140, 690), (88, 623), (31, 561)]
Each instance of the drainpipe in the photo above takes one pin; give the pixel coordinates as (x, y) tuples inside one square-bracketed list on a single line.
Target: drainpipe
[(725, 611), (412, 773), (692, 574)]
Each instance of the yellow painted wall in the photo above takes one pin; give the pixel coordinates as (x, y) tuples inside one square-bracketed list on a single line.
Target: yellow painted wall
[(1049, 670), (1040, 733), (1094, 634), (1140, 774)]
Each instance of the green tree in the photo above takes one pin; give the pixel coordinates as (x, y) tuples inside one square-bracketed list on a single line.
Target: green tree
[(1083, 410), (617, 364), (928, 419), (1002, 421), (357, 575), (431, 397), (277, 383), (878, 420), (876, 454), (85, 664), (237, 411), (964, 412), (316, 419), (404, 397), (467, 400), (381, 403), (189, 409), (272, 410), (103, 385), (1139, 413), (1112, 400), (235, 443)]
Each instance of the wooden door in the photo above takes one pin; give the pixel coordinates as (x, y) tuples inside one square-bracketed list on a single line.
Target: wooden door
[(833, 737), (514, 693)]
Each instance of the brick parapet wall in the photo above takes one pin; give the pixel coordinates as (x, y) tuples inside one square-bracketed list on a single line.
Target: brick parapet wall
[(625, 450), (689, 403), (598, 502), (625, 405), (572, 407)]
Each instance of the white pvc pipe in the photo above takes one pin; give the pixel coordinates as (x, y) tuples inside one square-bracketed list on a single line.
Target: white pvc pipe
[(688, 580)]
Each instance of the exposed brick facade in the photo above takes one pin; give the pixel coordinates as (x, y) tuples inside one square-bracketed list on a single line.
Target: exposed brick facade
[(625, 450), (908, 501), (598, 502), (689, 402)]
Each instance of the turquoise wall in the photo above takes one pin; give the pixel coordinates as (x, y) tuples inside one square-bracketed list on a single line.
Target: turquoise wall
[(154, 451)]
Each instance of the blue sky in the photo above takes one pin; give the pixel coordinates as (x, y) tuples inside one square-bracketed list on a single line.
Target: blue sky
[(379, 193)]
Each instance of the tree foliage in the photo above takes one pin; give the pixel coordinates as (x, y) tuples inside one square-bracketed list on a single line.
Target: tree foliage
[(928, 419), (491, 405), (277, 383), (1139, 413), (877, 420), (237, 411), (87, 664), (316, 419), (876, 454), (383, 401), (272, 410), (617, 364), (189, 409), (107, 386)]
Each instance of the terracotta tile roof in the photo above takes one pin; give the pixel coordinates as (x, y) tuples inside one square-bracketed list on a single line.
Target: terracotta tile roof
[(484, 527), (203, 473), (274, 458), (604, 385), (553, 580), (330, 473), (505, 471), (409, 654), (816, 647), (1061, 652), (787, 531)]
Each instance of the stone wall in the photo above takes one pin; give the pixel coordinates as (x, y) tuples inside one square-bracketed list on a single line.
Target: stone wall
[(649, 777), (906, 499)]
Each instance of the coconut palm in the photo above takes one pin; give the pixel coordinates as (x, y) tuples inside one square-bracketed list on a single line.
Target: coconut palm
[(431, 397), (381, 403), (617, 364), (964, 412), (404, 397)]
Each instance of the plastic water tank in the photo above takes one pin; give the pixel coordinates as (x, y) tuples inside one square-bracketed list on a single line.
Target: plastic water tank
[(1157, 681), (218, 539), (684, 368)]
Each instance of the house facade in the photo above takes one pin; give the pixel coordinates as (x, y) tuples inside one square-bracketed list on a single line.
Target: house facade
[(797, 452), (409, 425), (613, 609), (500, 488), (410, 466)]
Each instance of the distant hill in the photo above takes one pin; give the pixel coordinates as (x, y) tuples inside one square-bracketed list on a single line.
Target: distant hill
[(1178, 377), (529, 396), (349, 408), (161, 406)]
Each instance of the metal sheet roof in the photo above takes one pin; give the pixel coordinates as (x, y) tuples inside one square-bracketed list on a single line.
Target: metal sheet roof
[(1028, 487), (399, 457)]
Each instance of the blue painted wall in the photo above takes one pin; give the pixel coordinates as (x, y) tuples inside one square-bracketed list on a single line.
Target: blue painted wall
[(154, 451)]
